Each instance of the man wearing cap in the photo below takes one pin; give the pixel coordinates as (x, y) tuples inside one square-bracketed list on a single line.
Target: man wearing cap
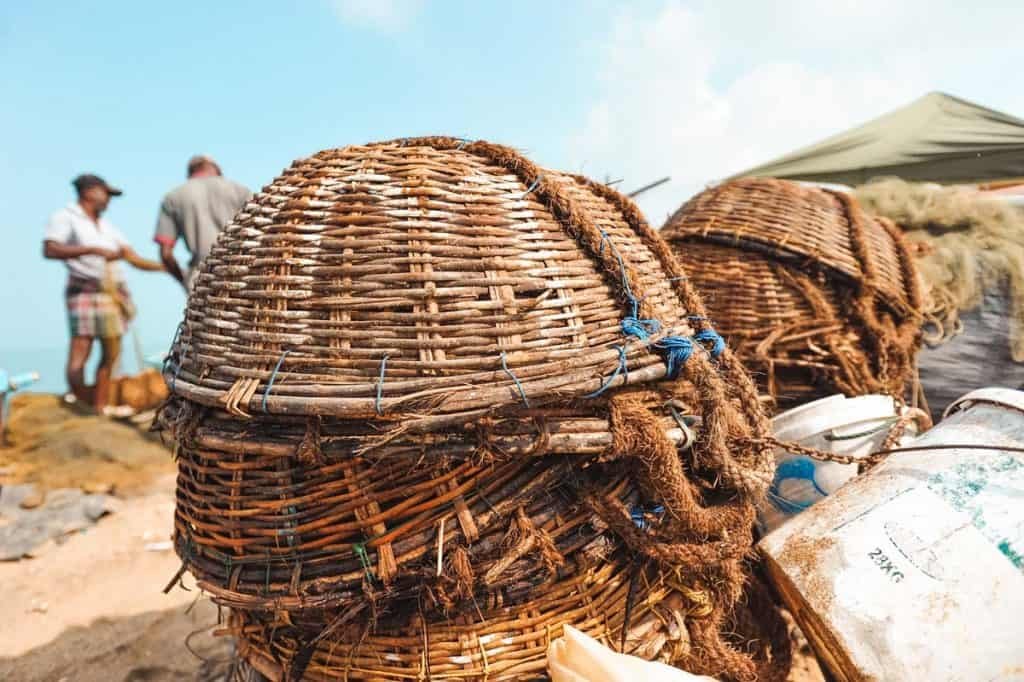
[(197, 211), (98, 302)]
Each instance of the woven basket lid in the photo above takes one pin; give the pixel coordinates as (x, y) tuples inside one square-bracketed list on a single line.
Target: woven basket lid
[(800, 225), (814, 295), (424, 276)]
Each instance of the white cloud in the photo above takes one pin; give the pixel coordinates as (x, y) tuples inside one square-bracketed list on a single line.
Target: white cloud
[(705, 90), (381, 15)]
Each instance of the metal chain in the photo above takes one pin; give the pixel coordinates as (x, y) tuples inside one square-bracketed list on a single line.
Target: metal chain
[(896, 431)]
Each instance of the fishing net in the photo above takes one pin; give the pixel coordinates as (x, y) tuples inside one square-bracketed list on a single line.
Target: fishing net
[(966, 246)]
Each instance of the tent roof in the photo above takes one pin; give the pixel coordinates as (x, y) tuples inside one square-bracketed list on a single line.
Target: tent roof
[(937, 138)]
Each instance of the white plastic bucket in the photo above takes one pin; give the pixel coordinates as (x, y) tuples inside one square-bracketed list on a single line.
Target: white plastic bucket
[(915, 571), (837, 424)]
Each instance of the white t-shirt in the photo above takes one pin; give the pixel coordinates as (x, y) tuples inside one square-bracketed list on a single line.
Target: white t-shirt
[(70, 225)]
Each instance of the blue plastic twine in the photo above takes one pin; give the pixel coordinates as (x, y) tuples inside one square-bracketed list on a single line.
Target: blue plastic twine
[(717, 342), (618, 370), (639, 515), (633, 302), (522, 393), (177, 371), (169, 363), (177, 336), (273, 375), (532, 187), (676, 350), (380, 384)]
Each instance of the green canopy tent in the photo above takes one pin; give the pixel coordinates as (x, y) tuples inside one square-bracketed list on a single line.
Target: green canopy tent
[(937, 138)]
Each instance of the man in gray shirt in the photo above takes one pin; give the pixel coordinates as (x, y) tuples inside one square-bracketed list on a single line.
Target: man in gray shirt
[(197, 211)]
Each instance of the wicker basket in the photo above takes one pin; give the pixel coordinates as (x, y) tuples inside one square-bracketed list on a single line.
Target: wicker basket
[(429, 374), (815, 296)]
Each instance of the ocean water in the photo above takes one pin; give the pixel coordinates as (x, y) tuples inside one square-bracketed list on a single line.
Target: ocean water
[(49, 362)]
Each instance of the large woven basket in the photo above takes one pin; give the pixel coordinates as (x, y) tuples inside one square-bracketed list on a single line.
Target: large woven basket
[(814, 295), (430, 374)]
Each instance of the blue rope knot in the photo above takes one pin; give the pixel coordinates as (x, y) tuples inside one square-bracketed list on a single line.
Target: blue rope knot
[(641, 329), (522, 392), (677, 350), (717, 342), (273, 376)]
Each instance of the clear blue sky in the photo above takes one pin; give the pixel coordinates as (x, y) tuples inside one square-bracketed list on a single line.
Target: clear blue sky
[(129, 90)]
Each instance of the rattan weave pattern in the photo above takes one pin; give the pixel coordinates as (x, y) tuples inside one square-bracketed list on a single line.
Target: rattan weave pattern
[(424, 263), (493, 643), (262, 530), (798, 225)]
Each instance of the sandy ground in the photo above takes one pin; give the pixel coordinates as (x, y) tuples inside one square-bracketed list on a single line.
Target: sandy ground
[(91, 609), (56, 446)]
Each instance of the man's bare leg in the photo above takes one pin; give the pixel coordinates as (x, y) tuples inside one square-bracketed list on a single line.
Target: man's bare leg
[(111, 347), (78, 355)]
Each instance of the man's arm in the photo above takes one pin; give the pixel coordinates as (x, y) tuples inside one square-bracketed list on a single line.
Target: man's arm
[(166, 236), (58, 237), (140, 263), (170, 262), (58, 251)]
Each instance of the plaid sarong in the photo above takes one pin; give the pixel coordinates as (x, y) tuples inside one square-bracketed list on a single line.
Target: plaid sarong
[(92, 312)]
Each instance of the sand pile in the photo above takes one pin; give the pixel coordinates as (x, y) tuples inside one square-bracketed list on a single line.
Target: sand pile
[(54, 446)]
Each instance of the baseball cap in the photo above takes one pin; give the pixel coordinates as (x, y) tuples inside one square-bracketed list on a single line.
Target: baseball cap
[(87, 180)]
